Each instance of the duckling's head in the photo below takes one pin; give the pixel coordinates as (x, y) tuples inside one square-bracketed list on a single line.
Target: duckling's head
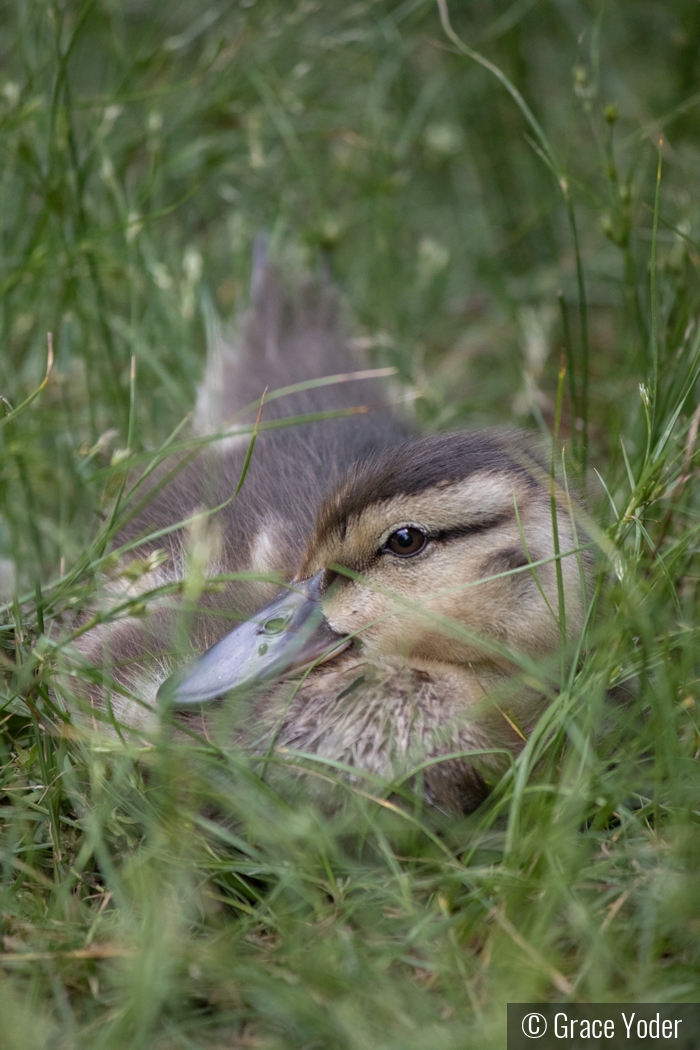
[(441, 551)]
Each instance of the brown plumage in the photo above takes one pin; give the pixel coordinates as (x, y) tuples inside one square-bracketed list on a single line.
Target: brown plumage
[(289, 336), (410, 561)]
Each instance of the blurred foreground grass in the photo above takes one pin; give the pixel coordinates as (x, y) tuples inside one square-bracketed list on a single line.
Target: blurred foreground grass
[(143, 146)]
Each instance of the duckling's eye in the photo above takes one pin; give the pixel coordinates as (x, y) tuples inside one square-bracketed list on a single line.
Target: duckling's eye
[(406, 542)]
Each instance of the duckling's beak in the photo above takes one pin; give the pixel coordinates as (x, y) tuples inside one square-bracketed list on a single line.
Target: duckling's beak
[(288, 635)]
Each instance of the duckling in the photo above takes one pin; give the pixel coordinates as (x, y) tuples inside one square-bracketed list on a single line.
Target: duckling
[(422, 577), (427, 587)]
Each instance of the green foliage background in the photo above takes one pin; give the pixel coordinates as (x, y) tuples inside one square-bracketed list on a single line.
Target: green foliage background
[(143, 145)]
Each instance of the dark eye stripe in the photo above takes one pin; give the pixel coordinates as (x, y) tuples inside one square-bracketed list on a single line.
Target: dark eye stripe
[(407, 541), (472, 530)]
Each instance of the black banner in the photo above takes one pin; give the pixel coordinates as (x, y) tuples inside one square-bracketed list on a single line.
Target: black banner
[(603, 1026)]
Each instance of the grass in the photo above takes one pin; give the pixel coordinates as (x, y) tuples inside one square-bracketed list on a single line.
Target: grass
[(143, 146)]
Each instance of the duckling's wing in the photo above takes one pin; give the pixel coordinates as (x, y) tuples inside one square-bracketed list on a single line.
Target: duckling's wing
[(292, 334)]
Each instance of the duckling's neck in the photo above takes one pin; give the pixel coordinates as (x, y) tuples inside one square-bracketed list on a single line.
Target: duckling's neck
[(385, 720)]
